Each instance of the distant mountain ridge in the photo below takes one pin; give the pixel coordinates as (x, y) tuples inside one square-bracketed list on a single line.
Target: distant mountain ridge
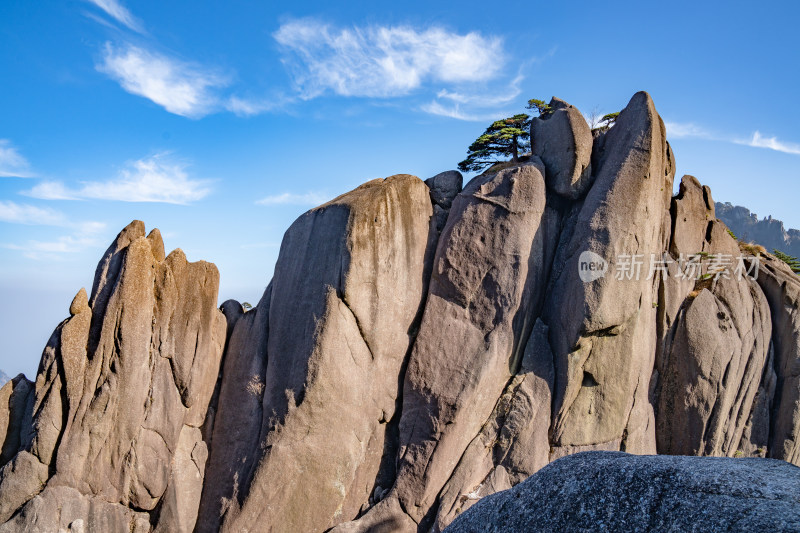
[(768, 232), (4, 378)]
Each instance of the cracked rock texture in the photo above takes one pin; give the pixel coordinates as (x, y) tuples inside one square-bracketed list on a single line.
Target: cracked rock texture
[(421, 347), (612, 491)]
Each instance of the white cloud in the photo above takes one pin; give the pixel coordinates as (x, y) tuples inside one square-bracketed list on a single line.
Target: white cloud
[(686, 129), (181, 88), (381, 61), (455, 111), (677, 130), (51, 190), (154, 179), (30, 215), (12, 163), (85, 232), (246, 107), (54, 250), (472, 106), (485, 99), (287, 198), (772, 143), (119, 13)]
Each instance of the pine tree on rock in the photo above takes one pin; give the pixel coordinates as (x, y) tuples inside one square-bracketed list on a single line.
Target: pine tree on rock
[(793, 262), (507, 137)]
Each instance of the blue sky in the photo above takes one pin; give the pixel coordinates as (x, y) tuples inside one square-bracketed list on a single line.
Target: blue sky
[(219, 123)]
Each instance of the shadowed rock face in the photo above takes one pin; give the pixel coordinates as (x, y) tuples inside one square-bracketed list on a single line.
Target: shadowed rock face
[(782, 290), (342, 308), (420, 347), (606, 491)]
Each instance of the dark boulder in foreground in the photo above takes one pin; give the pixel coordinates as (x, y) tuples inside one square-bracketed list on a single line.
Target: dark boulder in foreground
[(615, 491)]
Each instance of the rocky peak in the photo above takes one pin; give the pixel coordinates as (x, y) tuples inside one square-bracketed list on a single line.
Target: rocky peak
[(768, 232), (120, 397), (419, 347)]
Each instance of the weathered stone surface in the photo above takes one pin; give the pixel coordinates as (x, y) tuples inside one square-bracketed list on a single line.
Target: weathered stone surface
[(782, 290), (182, 498), (513, 444), (486, 289), (716, 341), (347, 290), (444, 187), (66, 509), (755, 440), (120, 381), (688, 220), (603, 333), (235, 445), (563, 140), (21, 479), (715, 364), (612, 491), (79, 303), (692, 211), (16, 407)]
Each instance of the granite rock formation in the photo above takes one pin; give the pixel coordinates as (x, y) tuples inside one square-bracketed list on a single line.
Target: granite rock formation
[(613, 491), (111, 431), (768, 232), (419, 347)]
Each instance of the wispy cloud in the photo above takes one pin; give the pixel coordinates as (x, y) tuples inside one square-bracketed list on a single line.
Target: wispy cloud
[(383, 61), (485, 99), (153, 179), (246, 107), (771, 143), (474, 106), (287, 198), (12, 163), (457, 112), (51, 190), (120, 13), (54, 250), (15, 213), (687, 129), (182, 88), (757, 140), (31, 215)]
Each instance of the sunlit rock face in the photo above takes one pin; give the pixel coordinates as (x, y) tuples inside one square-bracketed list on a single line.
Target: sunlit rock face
[(419, 347), (112, 433)]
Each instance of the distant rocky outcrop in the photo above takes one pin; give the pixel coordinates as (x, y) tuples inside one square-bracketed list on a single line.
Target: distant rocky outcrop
[(4, 378), (612, 491), (110, 436), (768, 232), (420, 346)]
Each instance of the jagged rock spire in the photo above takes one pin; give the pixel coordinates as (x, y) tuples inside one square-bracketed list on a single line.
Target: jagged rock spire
[(418, 348)]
